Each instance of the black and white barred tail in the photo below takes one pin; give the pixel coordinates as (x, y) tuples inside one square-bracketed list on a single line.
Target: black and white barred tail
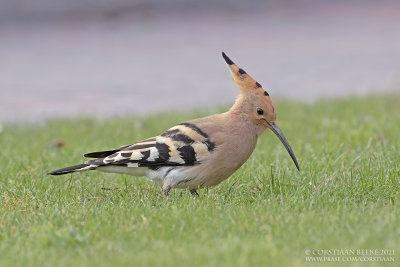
[(75, 168)]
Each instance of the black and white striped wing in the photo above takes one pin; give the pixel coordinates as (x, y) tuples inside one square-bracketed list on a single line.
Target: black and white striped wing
[(182, 145)]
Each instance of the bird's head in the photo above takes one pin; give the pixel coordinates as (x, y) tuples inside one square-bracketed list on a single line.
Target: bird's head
[(255, 103)]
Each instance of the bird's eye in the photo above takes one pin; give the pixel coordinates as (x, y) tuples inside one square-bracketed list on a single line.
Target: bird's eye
[(260, 111)]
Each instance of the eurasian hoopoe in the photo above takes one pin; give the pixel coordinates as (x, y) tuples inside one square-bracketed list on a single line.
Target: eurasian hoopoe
[(201, 152)]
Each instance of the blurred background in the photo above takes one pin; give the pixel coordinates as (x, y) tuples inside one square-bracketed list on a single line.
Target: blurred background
[(63, 58)]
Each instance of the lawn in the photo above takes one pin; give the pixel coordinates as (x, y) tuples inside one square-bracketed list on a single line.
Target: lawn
[(345, 197)]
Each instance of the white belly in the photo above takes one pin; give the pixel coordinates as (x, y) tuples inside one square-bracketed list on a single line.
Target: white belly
[(175, 176), (135, 171)]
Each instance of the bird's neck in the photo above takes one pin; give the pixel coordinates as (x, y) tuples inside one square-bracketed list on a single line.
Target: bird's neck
[(240, 105), (239, 113)]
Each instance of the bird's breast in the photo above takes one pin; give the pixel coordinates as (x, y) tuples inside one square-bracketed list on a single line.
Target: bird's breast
[(221, 164)]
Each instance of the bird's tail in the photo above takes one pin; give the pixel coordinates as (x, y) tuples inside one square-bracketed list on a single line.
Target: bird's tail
[(75, 168)]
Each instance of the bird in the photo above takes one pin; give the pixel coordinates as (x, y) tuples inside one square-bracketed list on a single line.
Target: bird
[(201, 152)]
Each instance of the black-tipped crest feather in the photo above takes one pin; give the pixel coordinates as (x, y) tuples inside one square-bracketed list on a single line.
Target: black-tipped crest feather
[(227, 59)]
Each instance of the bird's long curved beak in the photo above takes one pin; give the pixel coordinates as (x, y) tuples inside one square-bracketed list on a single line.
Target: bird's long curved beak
[(282, 137)]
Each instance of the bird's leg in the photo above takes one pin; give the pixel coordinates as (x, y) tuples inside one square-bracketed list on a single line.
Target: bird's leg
[(166, 190), (194, 192)]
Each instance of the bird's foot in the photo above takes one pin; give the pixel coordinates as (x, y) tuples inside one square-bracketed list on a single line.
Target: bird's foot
[(194, 192), (166, 190)]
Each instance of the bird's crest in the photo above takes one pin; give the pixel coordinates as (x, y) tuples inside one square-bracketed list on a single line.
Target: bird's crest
[(244, 81)]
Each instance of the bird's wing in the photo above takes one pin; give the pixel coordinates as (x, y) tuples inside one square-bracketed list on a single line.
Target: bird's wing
[(106, 153), (102, 154), (184, 144)]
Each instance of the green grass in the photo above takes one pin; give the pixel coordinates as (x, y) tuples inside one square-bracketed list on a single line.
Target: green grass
[(346, 195)]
